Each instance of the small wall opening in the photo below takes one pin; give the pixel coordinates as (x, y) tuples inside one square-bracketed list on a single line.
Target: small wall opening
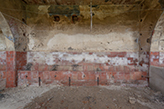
[(74, 18), (56, 18)]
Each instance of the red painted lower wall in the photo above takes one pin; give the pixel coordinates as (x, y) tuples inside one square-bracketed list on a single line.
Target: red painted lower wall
[(81, 78), (25, 68)]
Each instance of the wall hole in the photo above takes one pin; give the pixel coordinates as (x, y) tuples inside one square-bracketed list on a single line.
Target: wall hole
[(74, 67), (70, 48), (74, 18), (56, 18), (24, 1), (28, 66), (93, 14), (43, 1), (24, 34), (141, 5), (148, 40), (23, 20), (0, 31), (55, 68)]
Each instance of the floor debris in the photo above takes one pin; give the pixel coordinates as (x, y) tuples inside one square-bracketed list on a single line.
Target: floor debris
[(100, 97)]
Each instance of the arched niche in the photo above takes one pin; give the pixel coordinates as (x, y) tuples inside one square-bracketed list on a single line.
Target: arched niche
[(156, 70)]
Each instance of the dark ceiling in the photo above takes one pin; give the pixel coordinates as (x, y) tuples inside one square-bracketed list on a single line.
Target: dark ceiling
[(81, 2)]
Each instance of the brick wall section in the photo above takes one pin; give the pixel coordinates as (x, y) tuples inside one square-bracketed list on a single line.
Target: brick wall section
[(144, 61), (10, 63), (157, 59), (83, 68), (21, 60), (82, 61), (80, 78), (10, 71)]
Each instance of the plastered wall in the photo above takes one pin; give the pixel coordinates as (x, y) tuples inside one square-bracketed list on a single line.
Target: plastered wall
[(34, 28), (109, 29)]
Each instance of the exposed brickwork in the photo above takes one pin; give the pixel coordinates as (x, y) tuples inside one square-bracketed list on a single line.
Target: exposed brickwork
[(157, 59), (21, 60), (144, 61), (79, 78), (82, 61), (10, 63), (11, 71), (83, 68)]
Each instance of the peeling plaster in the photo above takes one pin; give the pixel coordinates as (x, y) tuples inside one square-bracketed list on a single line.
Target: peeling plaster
[(48, 58), (98, 42)]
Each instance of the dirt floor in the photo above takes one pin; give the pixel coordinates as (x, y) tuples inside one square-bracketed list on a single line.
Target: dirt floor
[(100, 97), (17, 98)]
